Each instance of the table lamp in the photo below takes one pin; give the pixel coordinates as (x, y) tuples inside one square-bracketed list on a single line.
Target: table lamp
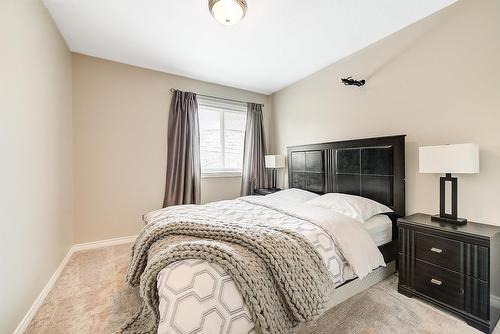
[(448, 160), (274, 162)]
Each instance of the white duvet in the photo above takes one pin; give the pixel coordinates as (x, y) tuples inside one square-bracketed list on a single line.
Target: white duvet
[(199, 297)]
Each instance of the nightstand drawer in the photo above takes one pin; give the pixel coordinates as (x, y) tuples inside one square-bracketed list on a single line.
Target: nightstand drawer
[(440, 284), (443, 252)]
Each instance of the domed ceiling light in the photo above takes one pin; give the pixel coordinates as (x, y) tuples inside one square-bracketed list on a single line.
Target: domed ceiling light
[(228, 12)]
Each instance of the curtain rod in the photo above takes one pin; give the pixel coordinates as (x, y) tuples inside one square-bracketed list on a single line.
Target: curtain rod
[(172, 90)]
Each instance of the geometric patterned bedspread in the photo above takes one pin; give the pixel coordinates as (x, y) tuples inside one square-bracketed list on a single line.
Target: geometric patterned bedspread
[(199, 297)]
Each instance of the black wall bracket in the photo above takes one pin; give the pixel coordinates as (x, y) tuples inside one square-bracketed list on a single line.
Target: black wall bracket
[(349, 81)]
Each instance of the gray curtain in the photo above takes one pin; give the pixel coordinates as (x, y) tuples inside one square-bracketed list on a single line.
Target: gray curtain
[(183, 155), (254, 171)]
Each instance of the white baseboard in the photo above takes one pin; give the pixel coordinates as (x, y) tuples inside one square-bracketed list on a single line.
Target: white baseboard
[(45, 291), (103, 243), (41, 297)]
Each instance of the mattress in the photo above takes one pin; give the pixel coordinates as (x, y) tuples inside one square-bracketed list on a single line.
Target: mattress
[(379, 228)]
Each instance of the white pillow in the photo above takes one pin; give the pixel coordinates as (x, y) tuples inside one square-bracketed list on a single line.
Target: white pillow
[(293, 195), (380, 229), (356, 207)]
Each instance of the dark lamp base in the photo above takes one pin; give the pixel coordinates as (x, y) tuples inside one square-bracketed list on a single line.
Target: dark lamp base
[(458, 221)]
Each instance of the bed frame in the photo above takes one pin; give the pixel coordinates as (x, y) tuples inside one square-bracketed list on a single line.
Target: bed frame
[(373, 168)]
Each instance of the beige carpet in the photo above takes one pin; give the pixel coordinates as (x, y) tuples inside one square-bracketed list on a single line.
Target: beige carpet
[(90, 296)]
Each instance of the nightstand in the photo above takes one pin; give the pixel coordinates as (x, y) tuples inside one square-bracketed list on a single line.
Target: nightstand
[(455, 267), (265, 191)]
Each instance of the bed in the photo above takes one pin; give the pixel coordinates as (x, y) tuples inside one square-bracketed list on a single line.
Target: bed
[(197, 296)]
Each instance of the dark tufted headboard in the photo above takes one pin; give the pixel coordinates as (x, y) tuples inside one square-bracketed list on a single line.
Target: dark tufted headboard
[(372, 168)]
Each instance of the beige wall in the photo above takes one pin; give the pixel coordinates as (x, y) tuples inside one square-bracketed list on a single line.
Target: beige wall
[(120, 125), (36, 159), (436, 81), (218, 189)]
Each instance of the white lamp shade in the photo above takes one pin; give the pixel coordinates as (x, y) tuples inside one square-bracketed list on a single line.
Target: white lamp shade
[(274, 161), (454, 159)]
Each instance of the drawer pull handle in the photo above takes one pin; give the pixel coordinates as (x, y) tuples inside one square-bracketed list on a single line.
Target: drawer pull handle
[(436, 250), (436, 281)]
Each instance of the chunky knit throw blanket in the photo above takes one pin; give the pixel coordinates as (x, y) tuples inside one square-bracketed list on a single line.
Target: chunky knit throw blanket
[(281, 277)]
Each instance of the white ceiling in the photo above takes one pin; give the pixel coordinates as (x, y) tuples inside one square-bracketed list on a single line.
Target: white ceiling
[(278, 42)]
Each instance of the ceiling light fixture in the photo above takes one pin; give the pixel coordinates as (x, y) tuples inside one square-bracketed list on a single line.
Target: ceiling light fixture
[(228, 12)]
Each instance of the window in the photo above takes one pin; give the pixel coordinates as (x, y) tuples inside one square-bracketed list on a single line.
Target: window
[(222, 135)]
